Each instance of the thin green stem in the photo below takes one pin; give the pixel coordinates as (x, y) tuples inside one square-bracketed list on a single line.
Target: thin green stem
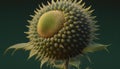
[(66, 64)]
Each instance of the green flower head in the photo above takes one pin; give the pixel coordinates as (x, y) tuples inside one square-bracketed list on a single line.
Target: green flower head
[(60, 33)]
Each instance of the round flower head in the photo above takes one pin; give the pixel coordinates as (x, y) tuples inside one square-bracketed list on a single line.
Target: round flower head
[(60, 33)]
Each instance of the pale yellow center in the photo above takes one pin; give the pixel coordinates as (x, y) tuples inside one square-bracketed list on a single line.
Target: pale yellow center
[(50, 23)]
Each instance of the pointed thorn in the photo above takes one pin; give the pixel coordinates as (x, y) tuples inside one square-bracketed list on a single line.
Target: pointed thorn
[(88, 8), (107, 50), (26, 32), (53, 1), (37, 9), (48, 2), (31, 16), (93, 17), (79, 2), (27, 26), (35, 12), (43, 5), (75, 1), (83, 4), (6, 50), (13, 52), (29, 21), (40, 7), (91, 11), (88, 58)]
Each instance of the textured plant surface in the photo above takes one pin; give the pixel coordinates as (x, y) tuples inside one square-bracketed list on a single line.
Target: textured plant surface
[(60, 33)]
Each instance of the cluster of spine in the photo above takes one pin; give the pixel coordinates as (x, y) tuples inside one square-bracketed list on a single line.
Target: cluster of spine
[(77, 32)]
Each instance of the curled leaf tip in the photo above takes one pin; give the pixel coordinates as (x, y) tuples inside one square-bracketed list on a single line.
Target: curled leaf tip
[(16, 47), (95, 47)]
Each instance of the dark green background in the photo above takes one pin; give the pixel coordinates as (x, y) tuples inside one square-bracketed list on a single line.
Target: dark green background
[(15, 13)]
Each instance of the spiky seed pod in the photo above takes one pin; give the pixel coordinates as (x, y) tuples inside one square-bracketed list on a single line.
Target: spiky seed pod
[(61, 30)]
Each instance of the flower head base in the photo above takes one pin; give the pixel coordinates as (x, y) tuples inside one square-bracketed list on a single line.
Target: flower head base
[(61, 32)]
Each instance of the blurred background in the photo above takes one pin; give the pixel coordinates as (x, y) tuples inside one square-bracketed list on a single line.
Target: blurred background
[(15, 13)]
